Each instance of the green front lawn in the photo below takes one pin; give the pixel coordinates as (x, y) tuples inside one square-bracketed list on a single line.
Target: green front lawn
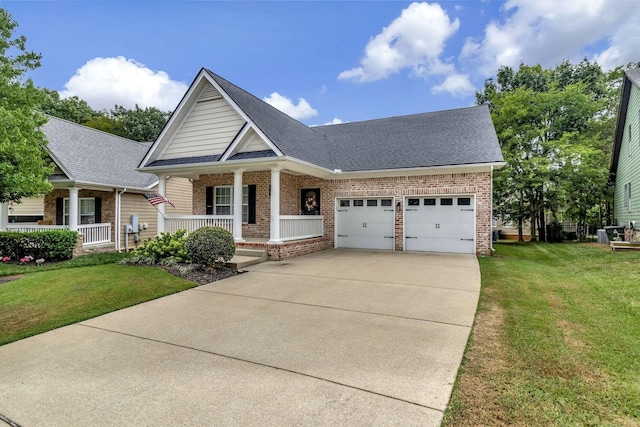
[(556, 339), (46, 299), (13, 268)]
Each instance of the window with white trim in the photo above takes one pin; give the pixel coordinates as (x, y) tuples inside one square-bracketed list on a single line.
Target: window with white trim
[(86, 210), (223, 201), (629, 143), (627, 196)]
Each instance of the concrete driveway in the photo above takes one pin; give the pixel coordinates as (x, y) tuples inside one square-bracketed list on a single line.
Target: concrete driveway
[(341, 337)]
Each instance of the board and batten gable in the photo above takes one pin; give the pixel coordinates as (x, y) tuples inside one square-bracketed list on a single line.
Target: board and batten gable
[(628, 170), (208, 129)]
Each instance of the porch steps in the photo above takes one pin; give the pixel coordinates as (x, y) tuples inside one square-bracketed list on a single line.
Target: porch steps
[(246, 257)]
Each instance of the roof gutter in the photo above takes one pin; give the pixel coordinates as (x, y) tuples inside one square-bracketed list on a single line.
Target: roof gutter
[(101, 187)]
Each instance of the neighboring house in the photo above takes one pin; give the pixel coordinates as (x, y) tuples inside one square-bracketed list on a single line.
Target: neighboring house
[(508, 230), (95, 172), (411, 183), (624, 172), (28, 211)]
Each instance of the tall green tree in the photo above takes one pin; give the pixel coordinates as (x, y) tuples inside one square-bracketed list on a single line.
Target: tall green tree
[(140, 124), (24, 164), (73, 108), (546, 122)]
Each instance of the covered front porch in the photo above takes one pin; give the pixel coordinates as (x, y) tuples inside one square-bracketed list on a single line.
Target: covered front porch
[(267, 215), (69, 215)]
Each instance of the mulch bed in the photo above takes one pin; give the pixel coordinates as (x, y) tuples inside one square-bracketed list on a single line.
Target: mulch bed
[(202, 277)]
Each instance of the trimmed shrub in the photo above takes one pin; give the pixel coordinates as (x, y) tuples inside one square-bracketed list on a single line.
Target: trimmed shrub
[(166, 245), (209, 246), (53, 245)]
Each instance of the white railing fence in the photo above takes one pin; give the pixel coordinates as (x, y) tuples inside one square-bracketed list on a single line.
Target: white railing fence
[(30, 228), (193, 222), (93, 233), (292, 227), (297, 227)]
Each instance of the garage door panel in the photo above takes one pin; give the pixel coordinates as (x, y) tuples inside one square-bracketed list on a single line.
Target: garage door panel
[(370, 226), (432, 226)]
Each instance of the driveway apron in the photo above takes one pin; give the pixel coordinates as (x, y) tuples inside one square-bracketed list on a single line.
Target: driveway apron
[(340, 337)]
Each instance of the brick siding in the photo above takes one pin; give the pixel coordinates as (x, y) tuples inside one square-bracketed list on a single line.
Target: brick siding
[(475, 184), (108, 207)]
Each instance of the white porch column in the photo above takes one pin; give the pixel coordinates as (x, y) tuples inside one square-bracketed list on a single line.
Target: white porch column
[(73, 209), (162, 189), (237, 205), (4, 216), (275, 206)]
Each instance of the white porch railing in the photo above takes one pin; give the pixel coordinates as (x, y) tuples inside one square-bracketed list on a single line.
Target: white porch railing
[(193, 222), (30, 228), (297, 227), (93, 233)]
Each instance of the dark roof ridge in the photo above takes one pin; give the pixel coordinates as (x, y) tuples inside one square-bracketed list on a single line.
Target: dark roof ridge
[(450, 110)]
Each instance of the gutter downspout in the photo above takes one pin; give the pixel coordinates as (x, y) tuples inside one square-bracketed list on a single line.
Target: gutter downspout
[(491, 209)]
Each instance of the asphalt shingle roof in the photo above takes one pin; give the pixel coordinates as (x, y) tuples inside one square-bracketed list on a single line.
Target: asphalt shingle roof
[(93, 156), (634, 76), (451, 137), (289, 135)]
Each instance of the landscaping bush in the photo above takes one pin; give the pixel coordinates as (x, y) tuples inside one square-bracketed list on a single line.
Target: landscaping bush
[(166, 245), (54, 245), (209, 246)]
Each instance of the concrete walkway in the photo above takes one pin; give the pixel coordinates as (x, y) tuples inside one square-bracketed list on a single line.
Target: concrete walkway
[(341, 337)]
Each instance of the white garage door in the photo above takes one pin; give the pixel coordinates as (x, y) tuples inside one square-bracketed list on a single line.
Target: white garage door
[(365, 223), (440, 224)]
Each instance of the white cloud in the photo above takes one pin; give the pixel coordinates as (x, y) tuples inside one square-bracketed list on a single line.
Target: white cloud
[(547, 32), (105, 82), (335, 121), (414, 40), (299, 112), (456, 85)]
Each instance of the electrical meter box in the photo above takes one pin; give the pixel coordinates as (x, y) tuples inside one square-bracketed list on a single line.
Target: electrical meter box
[(134, 223)]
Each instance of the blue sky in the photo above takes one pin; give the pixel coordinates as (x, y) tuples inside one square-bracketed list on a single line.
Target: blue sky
[(317, 61)]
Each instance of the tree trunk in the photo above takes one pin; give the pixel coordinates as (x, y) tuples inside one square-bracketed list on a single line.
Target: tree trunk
[(543, 232), (520, 234)]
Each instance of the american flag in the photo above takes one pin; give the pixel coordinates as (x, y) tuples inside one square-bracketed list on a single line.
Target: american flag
[(157, 198)]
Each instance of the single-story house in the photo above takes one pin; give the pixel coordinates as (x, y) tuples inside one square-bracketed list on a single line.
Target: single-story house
[(96, 189), (624, 171), (420, 182)]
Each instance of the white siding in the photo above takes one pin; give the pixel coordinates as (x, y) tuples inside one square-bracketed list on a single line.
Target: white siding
[(31, 206), (256, 144), (209, 129), (136, 204), (180, 192)]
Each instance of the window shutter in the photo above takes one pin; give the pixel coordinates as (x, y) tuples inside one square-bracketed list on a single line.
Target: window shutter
[(98, 210), (252, 204), (59, 211), (209, 201)]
